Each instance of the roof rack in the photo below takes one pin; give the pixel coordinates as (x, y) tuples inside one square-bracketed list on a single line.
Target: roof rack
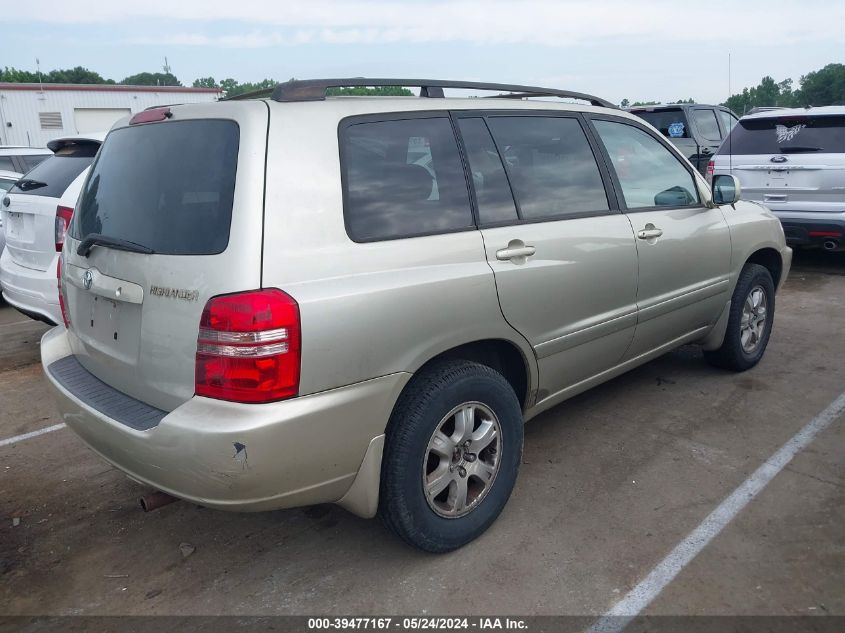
[(315, 89)]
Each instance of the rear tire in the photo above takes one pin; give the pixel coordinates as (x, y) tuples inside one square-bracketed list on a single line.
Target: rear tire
[(750, 321), (452, 452)]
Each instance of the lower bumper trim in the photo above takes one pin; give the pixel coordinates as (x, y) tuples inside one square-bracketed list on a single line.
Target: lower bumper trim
[(71, 375)]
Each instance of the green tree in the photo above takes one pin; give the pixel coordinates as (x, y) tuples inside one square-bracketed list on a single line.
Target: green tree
[(78, 75), (232, 88), (205, 82), (644, 103), (151, 79), (625, 103), (360, 91), (13, 75), (822, 87)]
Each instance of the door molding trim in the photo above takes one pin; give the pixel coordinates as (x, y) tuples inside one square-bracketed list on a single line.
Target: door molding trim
[(669, 302), (594, 329)]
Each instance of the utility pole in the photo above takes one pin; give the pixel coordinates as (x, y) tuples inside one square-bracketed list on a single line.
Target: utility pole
[(38, 69)]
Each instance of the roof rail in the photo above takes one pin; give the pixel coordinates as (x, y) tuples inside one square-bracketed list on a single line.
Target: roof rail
[(315, 89)]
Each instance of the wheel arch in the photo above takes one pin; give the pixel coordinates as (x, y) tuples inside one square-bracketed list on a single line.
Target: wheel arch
[(500, 355), (770, 259)]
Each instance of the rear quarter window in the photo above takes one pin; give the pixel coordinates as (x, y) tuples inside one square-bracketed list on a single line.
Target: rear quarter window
[(168, 186), (51, 177), (403, 178), (787, 135)]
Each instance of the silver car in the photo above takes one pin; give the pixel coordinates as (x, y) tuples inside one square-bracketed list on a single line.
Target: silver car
[(793, 161), (291, 299)]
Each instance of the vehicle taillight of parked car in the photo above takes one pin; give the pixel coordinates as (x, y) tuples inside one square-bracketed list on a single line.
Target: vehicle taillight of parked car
[(63, 216), (248, 349), (62, 299)]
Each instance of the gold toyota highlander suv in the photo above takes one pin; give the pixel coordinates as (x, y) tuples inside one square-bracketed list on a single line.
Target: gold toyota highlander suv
[(291, 299)]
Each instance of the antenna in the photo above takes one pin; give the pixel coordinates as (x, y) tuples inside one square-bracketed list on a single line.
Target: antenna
[(38, 68), (730, 132), (166, 67)]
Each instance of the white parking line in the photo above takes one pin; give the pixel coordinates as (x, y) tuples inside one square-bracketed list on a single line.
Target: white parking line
[(649, 587), (27, 436), (17, 323)]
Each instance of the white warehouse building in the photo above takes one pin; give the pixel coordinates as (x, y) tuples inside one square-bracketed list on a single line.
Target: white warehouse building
[(33, 114)]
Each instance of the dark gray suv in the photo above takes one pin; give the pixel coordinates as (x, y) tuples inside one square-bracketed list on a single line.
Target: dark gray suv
[(694, 128)]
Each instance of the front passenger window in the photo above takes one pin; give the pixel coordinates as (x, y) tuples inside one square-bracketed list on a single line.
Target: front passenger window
[(650, 175)]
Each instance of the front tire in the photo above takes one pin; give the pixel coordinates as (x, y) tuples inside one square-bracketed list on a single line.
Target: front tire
[(750, 321), (451, 456)]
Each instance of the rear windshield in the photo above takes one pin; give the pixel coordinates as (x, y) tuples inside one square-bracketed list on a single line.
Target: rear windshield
[(167, 186), (53, 176), (671, 123), (787, 135)]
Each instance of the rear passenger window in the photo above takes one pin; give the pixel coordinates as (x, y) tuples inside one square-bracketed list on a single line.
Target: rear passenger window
[(708, 126), (728, 121), (551, 166), (6, 164), (650, 175), (403, 178), (492, 191)]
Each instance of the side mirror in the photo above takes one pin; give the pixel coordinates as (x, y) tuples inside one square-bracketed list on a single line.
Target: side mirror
[(726, 189)]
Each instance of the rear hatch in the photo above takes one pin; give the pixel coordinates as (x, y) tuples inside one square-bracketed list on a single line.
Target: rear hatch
[(30, 218), (789, 162), (178, 203)]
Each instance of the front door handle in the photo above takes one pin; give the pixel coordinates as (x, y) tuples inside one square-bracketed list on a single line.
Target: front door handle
[(650, 232), (516, 252)]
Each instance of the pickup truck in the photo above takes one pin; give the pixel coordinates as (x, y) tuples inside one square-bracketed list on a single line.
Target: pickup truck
[(696, 129)]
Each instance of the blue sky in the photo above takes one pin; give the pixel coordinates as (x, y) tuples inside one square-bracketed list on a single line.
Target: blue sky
[(647, 49)]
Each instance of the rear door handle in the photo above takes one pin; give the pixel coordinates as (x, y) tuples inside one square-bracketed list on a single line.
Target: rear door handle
[(516, 252), (650, 232)]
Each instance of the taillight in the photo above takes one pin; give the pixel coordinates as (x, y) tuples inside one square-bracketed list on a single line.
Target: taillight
[(248, 349), (63, 216), (711, 167), (62, 302)]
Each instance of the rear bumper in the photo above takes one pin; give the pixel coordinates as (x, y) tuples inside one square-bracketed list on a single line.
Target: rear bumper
[(813, 230), (232, 456), (33, 292)]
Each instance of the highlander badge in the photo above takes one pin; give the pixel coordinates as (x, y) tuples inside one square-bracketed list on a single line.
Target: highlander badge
[(175, 293)]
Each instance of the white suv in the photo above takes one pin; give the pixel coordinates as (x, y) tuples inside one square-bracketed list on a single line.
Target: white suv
[(793, 161), (36, 212)]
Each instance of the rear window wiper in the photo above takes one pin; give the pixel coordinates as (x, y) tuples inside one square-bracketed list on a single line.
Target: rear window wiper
[(27, 184), (795, 149), (93, 239)]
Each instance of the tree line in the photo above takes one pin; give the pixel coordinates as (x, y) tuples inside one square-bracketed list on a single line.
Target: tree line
[(231, 87), (825, 86), (822, 87)]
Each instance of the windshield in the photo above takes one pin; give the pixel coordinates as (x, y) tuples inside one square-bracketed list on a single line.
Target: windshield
[(167, 186), (785, 135)]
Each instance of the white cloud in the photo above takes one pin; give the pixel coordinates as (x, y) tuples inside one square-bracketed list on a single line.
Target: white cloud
[(263, 23)]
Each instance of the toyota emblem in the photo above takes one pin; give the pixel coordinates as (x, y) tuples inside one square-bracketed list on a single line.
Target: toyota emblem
[(87, 279)]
